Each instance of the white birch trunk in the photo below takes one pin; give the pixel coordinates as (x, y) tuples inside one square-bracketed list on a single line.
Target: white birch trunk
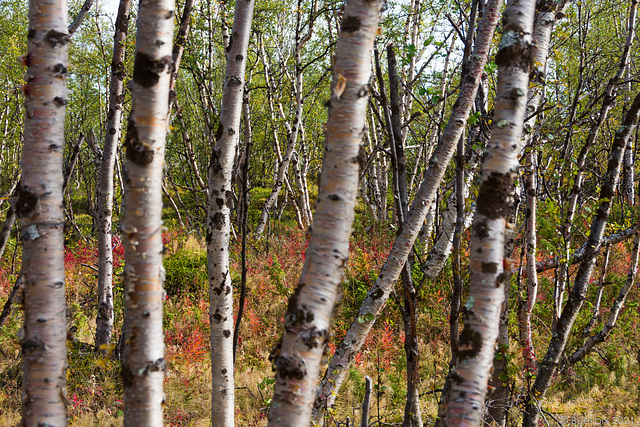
[(486, 264), (219, 219), (309, 313), (104, 320), (377, 297), (143, 368), (39, 210)]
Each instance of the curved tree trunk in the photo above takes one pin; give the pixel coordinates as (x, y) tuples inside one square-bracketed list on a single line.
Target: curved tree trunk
[(104, 321), (377, 297), (39, 210), (219, 220), (143, 367), (578, 292), (487, 274), (309, 313)]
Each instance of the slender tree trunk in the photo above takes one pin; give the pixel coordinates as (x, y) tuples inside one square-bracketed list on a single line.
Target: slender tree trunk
[(309, 313), (497, 400), (525, 312), (243, 212), (618, 303), (82, 15), (377, 297), (7, 225), (601, 285), (39, 210), (487, 274), (578, 292), (219, 219), (104, 320), (608, 100), (178, 49), (144, 364), (292, 131)]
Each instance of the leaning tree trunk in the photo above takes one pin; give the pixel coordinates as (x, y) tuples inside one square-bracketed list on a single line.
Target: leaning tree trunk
[(562, 328), (377, 297), (104, 320), (309, 312), (608, 100), (39, 210), (618, 303), (219, 220), (144, 365), (487, 260)]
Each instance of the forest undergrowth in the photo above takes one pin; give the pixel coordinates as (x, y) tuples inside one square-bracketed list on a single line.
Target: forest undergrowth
[(603, 386)]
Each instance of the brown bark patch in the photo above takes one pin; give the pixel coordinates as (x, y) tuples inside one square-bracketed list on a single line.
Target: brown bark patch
[(59, 70), (27, 202), (56, 38), (350, 24), (291, 367), (146, 70), (469, 345), (489, 268), (33, 347), (313, 338), (218, 221), (297, 316), (515, 54), (136, 151), (495, 195)]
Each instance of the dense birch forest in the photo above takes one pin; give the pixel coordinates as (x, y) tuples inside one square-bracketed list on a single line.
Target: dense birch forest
[(336, 213)]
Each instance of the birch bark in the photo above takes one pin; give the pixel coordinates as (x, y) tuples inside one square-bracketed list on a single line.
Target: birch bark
[(143, 367), (486, 264), (39, 210), (104, 319), (219, 219), (309, 312), (377, 297)]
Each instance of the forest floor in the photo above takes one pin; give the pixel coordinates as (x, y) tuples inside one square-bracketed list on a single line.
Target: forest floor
[(603, 387)]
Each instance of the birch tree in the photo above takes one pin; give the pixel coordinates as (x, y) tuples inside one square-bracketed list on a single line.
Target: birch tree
[(144, 364), (104, 320), (39, 210), (309, 312), (377, 297), (497, 183), (562, 327), (292, 130), (546, 16), (219, 219)]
